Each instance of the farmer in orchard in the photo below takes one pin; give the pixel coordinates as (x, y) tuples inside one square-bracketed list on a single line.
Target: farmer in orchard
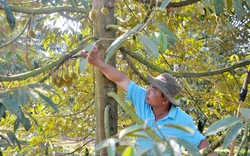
[(156, 105)]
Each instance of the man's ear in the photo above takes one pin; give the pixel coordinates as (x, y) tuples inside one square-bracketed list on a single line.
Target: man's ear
[(165, 101)]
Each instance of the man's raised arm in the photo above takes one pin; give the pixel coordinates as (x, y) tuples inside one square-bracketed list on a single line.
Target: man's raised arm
[(109, 71)]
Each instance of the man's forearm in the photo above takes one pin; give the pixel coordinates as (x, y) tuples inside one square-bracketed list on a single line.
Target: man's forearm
[(114, 75)]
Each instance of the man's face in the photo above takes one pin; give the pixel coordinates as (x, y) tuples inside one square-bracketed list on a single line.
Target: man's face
[(154, 96)]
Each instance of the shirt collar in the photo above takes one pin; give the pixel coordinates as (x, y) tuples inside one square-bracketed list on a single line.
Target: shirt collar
[(171, 113)]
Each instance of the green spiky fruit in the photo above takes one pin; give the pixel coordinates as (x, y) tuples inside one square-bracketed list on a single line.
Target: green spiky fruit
[(66, 77), (69, 83), (31, 34), (60, 83), (53, 80), (92, 15), (104, 11), (74, 75), (57, 78)]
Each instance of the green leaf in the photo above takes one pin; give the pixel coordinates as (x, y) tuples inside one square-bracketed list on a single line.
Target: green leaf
[(34, 85), (13, 139), (231, 135), (207, 2), (159, 149), (104, 144), (84, 61), (245, 112), (16, 124), (73, 3), (111, 147), (171, 146), (149, 45), (219, 6), (83, 65), (89, 46), (50, 88), (164, 4), (19, 58), (33, 95), (2, 110), (156, 37), (129, 130), (9, 55), (247, 5), (146, 6), (49, 102), (129, 151), (85, 5), (165, 29), (164, 45), (139, 134), (26, 123), (20, 96), (221, 125), (9, 15), (57, 2), (40, 128), (238, 9), (192, 149), (13, 107), (35, 121), (170, 40), (45, 1), (248, 2), (180, 127), (119, 41)]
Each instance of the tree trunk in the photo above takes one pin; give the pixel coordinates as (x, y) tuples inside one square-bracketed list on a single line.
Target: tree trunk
[(103, 85)]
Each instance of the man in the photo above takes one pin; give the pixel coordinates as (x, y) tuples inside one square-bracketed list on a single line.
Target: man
[(156, 105)]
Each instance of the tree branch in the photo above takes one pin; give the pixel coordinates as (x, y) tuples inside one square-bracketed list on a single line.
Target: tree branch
[(40, 70), (49, 10), (182, 74), (11, 41), (175, 4)]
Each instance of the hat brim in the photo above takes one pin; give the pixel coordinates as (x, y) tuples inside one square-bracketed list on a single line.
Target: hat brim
[(157, 84)]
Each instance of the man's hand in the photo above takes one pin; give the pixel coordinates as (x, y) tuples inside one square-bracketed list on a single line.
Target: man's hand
[(203, 144), (93, 56)]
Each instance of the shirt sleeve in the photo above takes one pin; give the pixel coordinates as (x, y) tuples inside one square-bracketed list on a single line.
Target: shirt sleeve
[(195, 138), (135, 94)]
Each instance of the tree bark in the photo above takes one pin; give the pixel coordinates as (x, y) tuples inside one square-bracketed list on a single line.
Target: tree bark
[(103, 85)]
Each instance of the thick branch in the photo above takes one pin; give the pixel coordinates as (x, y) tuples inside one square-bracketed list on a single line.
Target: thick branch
[(176, 4), (50, 10), (182, 74), (133, 67)]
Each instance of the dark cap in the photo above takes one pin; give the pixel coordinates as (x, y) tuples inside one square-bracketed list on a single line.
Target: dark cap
[(167, 84)]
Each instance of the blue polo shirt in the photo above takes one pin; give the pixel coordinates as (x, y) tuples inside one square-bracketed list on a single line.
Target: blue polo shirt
[(137, 96)]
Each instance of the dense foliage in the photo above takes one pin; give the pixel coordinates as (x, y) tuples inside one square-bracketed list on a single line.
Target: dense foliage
[(46, 92)]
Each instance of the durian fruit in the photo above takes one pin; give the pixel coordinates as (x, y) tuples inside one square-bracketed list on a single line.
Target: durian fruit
[(53, 80), (74, 76), (69, 83), (104, 11), (58, 79), (66, 77), (31, 34), (92, 15), (60, 83)]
